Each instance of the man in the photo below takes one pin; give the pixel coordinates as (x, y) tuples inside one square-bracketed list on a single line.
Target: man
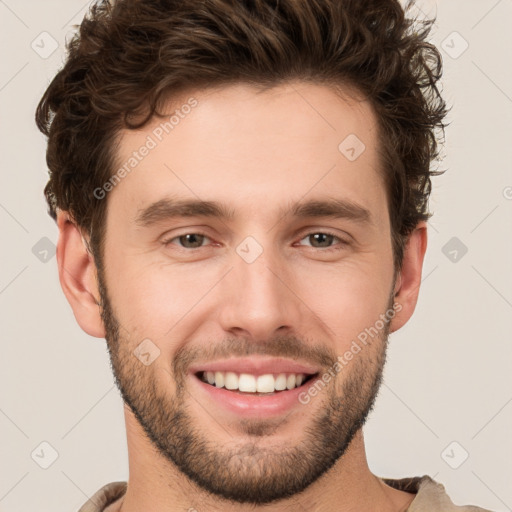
[(241, 190)]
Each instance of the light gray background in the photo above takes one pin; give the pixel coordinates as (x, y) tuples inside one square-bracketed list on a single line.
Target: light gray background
[(449, 370)]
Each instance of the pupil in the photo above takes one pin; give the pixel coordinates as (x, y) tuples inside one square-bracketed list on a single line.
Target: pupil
[(322, 235), (186, 238)]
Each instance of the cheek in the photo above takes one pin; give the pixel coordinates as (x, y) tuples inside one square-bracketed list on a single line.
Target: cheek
[(151, 298), (348, 298)]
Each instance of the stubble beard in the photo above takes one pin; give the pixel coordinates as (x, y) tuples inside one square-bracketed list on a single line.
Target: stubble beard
[(252, 470)]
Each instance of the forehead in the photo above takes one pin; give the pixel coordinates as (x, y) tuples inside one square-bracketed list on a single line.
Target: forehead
[(248, 147)]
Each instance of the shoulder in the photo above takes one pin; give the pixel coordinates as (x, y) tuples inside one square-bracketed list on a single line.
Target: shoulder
[(431, 496), (102, 499)]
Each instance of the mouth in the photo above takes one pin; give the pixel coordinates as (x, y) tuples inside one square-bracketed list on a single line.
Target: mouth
[(252, 387), (257, 395), (267, 384)]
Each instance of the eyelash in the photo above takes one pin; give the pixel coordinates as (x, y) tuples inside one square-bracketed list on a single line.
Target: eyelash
[(342, 242)]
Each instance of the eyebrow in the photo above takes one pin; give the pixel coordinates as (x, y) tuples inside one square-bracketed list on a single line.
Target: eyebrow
[(169, 208)]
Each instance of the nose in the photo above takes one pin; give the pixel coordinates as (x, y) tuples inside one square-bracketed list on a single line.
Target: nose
[(257, 300)]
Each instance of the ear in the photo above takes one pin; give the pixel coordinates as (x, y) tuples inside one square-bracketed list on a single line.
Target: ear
[(78, 277), (409, 278)]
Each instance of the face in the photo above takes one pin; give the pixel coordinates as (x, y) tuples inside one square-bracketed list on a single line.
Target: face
[(275, 293)]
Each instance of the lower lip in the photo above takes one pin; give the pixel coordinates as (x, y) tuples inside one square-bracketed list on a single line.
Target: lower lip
[(252, 405)]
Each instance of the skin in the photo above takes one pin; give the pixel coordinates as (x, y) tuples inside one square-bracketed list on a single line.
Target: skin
[(255, 152)]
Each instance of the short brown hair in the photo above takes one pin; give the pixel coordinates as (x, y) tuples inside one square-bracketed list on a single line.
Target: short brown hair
[(129, 56)]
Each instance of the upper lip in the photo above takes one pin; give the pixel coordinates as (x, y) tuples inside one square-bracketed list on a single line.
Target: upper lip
[(255, 366)]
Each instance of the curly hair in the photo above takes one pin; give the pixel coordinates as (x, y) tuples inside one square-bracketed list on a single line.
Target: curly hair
[(129, 56)]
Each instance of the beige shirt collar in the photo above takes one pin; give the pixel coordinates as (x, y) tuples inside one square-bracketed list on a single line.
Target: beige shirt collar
[(430, 496)]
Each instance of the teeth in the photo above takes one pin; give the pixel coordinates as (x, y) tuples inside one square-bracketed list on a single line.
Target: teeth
[(231, 380), (218, 379), (280, 382), (248, 383), (265, 384)]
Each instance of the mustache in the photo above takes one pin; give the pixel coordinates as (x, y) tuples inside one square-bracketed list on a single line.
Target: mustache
[(289, 347)]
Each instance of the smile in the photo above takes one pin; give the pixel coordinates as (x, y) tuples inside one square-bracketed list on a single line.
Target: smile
[(255, 384)]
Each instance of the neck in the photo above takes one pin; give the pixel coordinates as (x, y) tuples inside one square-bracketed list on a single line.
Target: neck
[(155, 484)]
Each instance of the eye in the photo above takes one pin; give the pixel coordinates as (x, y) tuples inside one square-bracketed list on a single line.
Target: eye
[(187, 240), (323, 240), (318, 240)]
